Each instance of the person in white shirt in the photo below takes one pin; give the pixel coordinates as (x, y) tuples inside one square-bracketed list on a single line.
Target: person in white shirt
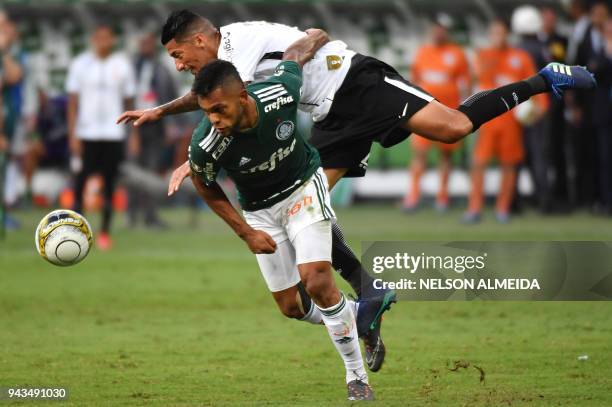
[(100, 84)]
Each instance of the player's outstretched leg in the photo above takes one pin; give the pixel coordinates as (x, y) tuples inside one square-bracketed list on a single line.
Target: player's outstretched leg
[(372, 304), (488, 104), (340, 321)]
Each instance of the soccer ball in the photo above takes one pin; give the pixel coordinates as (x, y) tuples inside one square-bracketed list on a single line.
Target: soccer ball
[(63, 237)]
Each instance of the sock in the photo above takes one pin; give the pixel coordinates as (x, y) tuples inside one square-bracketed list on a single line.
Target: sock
[(341, 325), (487, 105), (348, 265), (312, 314)]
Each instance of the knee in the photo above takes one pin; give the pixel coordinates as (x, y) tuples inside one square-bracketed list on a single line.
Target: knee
[(317, 279), (457, 128)]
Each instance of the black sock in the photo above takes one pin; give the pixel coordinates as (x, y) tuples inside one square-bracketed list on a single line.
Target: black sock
[(347, 264), (307, 303), (487, 105)]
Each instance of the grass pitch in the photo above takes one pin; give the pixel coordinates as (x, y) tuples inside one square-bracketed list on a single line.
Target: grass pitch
[(183, 318)]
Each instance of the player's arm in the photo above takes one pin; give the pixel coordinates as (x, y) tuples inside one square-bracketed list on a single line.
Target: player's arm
[(71, 113), (183, 104), (304, 49), (258, 241)]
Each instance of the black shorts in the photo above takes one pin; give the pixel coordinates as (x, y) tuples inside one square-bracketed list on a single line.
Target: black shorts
[(371, 103), (102, 157)]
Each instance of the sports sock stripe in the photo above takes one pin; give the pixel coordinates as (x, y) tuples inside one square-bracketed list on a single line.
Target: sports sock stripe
[(336, 308)]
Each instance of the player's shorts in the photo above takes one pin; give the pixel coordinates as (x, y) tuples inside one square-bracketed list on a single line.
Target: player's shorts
[(503, 140), (370, 105), (422, 144), (301, 227)]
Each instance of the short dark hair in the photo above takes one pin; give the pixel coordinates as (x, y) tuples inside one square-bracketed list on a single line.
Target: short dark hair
[(213, 75), (104, 24), (179, 24)]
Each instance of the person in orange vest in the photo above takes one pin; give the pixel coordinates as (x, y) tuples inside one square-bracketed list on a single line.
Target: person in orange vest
[(442, 69), (501, 138)]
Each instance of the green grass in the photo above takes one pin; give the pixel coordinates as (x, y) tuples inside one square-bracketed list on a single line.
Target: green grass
[(184, 318)]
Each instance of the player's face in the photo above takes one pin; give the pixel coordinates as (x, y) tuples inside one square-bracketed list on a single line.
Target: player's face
[(549, 20), (439, 34), (498, 35), (191, 54), (103, 41), (599, 15), (225, 107)]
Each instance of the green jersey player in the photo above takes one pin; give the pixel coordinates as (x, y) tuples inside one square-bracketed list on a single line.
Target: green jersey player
[(251, 133)]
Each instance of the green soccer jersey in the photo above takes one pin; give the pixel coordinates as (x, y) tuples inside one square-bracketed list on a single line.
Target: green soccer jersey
[(270, 161)]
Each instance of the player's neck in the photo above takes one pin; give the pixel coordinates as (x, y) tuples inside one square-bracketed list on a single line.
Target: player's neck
[(250, 117)]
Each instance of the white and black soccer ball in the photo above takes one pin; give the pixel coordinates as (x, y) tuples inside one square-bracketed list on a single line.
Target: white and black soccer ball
[(63, 237)]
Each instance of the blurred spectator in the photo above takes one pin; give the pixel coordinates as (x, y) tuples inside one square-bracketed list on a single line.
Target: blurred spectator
[(585, 44), (441, 68), (527, 22), (49, 145), (155, 86), (578, 11), (600, 64), (100, 85), (11, 74), (501, 138), (557, 141)]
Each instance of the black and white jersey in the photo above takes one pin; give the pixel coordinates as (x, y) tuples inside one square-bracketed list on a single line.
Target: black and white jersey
[(255, 48)]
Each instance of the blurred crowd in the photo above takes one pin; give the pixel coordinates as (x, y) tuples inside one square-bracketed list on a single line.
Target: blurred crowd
[(564, 144)]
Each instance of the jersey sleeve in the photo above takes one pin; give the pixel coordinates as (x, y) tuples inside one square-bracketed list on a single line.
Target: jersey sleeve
[(244, 50), (202, 164), (289, 73)]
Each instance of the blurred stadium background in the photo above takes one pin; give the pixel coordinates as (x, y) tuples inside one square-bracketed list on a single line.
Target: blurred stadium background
[(163, 318), (561, 170)]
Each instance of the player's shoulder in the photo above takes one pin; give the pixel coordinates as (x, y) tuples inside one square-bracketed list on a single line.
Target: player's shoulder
[(456, 48), (203, 137), (120, 57), (521, 53), (282, 87), (83, 60)]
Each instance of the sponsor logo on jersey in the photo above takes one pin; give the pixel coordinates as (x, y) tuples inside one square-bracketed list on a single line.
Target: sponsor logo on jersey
[(279, 71), (270, 164), (195, 167), (280, 102), (334, 62), (209, 172), (227, 46), (284, 130), (225, 141), (243, 161)]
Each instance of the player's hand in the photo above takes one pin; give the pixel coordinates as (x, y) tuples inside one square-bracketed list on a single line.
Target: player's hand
[(140, 116), (260, 242), (177, 178)]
